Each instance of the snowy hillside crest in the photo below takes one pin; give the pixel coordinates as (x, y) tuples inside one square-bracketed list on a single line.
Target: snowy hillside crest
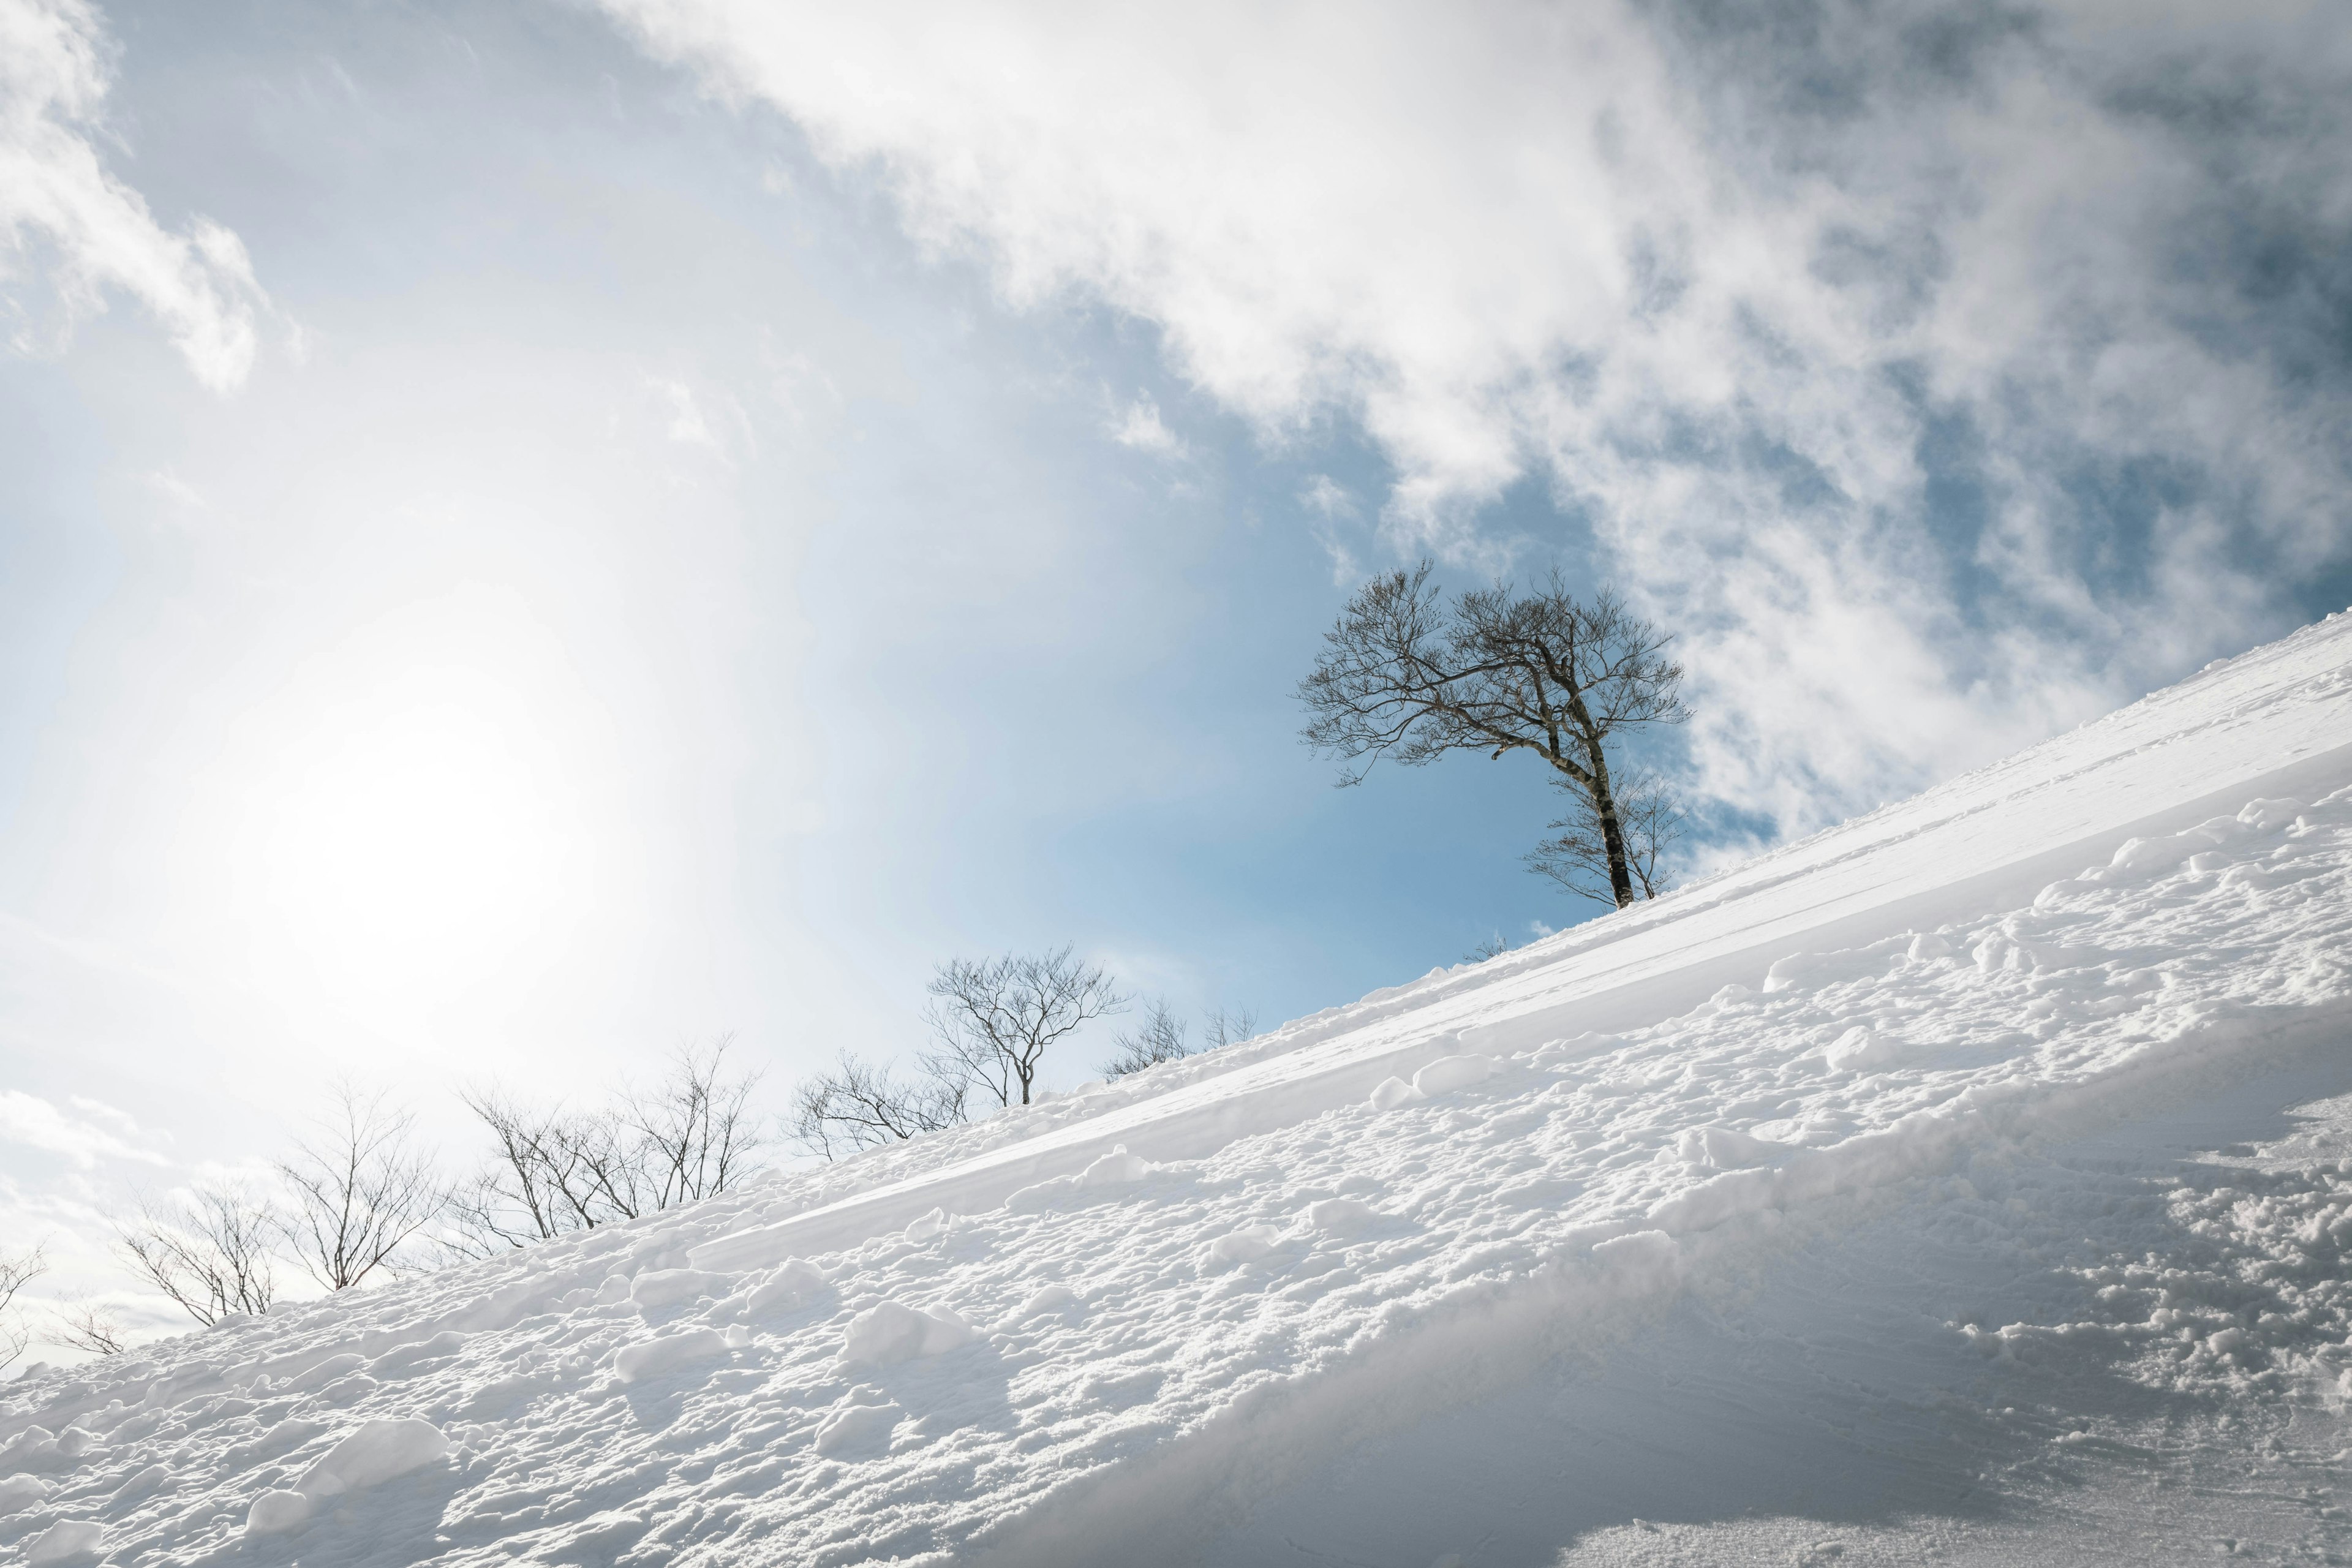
[(1133, 1324)]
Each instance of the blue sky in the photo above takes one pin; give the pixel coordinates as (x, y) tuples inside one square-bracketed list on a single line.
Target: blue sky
[(530, 536)]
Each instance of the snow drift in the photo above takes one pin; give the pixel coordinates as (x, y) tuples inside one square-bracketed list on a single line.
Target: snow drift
[(1333, 1294)]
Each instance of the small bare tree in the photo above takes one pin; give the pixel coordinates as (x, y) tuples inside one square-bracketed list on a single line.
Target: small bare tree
[(361, 1187), (690, 1136), (1403, 675), (857, 1105), (18, 1269), (991, 1023), (1159, 1038), (86, 1325), (555, 1171), (210, 1254), (1653, 821), (530, 1189), (1232, 1028)]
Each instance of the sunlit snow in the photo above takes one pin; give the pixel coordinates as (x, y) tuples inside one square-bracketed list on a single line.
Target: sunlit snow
[(1974, 1179)]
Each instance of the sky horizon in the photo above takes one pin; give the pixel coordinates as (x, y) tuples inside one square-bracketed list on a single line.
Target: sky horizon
[(526, 541)]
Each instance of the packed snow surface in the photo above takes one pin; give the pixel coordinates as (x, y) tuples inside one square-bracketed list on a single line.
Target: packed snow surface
[(1974, 1180)]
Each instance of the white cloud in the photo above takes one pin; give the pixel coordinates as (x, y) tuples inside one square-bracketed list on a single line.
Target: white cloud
[(1326, 497), (1331, 510), (687, 427), (65, 220), (1844, 325), (29, 1120), (1138, 427)]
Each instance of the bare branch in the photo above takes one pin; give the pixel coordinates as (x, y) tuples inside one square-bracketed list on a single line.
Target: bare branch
[(18, 1269), (211, 1254), (1404, 676), (1652, 821), (1226, 1029), (85, 1325), (859, 1105), (361, 1188), (1159, 1038), (1494, 946), (991, 1023), (552, 1172), (692, 1136)]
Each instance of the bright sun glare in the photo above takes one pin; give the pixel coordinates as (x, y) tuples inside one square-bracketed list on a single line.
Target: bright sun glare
[(412, 826)]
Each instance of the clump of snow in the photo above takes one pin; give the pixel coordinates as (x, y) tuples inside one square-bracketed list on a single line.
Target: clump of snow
[(892, 1331), (1723, 1148), (668, 1287), (66, 1541), (371, 1454), (21, 1491), (1114, 1169), (1340, 1214), (791, 1282), (1447, 1074), (655, 1357), (275, 1511), (1246, 1245), (863, 1420)]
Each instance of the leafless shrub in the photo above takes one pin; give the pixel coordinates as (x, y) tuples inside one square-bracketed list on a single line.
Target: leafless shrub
[(18, 1269), (691, 1135), (210, 1254), (1224, 1029), (87, 1325), (857, 1105), (991, 1023), (1494, 946), (1159, 1038), (361, 1188), (555, 1171)]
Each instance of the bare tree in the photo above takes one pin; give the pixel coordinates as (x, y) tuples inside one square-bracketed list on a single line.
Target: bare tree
[(991, 1023), (1653, 821), (211, 1254), (1492, 946), (1159, 1038), (532, 1188), (85, 1325), (18, 1269), (361, 1187), (553, 1170), (1226, 1029), (857, 1105), (1403, 675), (690, 1136)]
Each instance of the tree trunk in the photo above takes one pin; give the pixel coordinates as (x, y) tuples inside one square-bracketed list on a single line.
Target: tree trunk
[(1612, 831)]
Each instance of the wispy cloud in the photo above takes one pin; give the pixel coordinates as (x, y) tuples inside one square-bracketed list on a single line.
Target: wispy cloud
[(1138, 427), (687, 427), (1329, 506), (1943, 373), (66, 221), (28, 1119)]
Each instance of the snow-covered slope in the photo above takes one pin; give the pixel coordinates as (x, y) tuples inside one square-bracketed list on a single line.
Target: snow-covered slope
[(1835, 1206)]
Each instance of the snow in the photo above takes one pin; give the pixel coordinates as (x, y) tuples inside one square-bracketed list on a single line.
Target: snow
[(1974, 1180), (655, 1357), (66, 1541)]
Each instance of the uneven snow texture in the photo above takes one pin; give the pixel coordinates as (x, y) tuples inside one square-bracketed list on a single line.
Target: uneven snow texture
[(1023, 1342)]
